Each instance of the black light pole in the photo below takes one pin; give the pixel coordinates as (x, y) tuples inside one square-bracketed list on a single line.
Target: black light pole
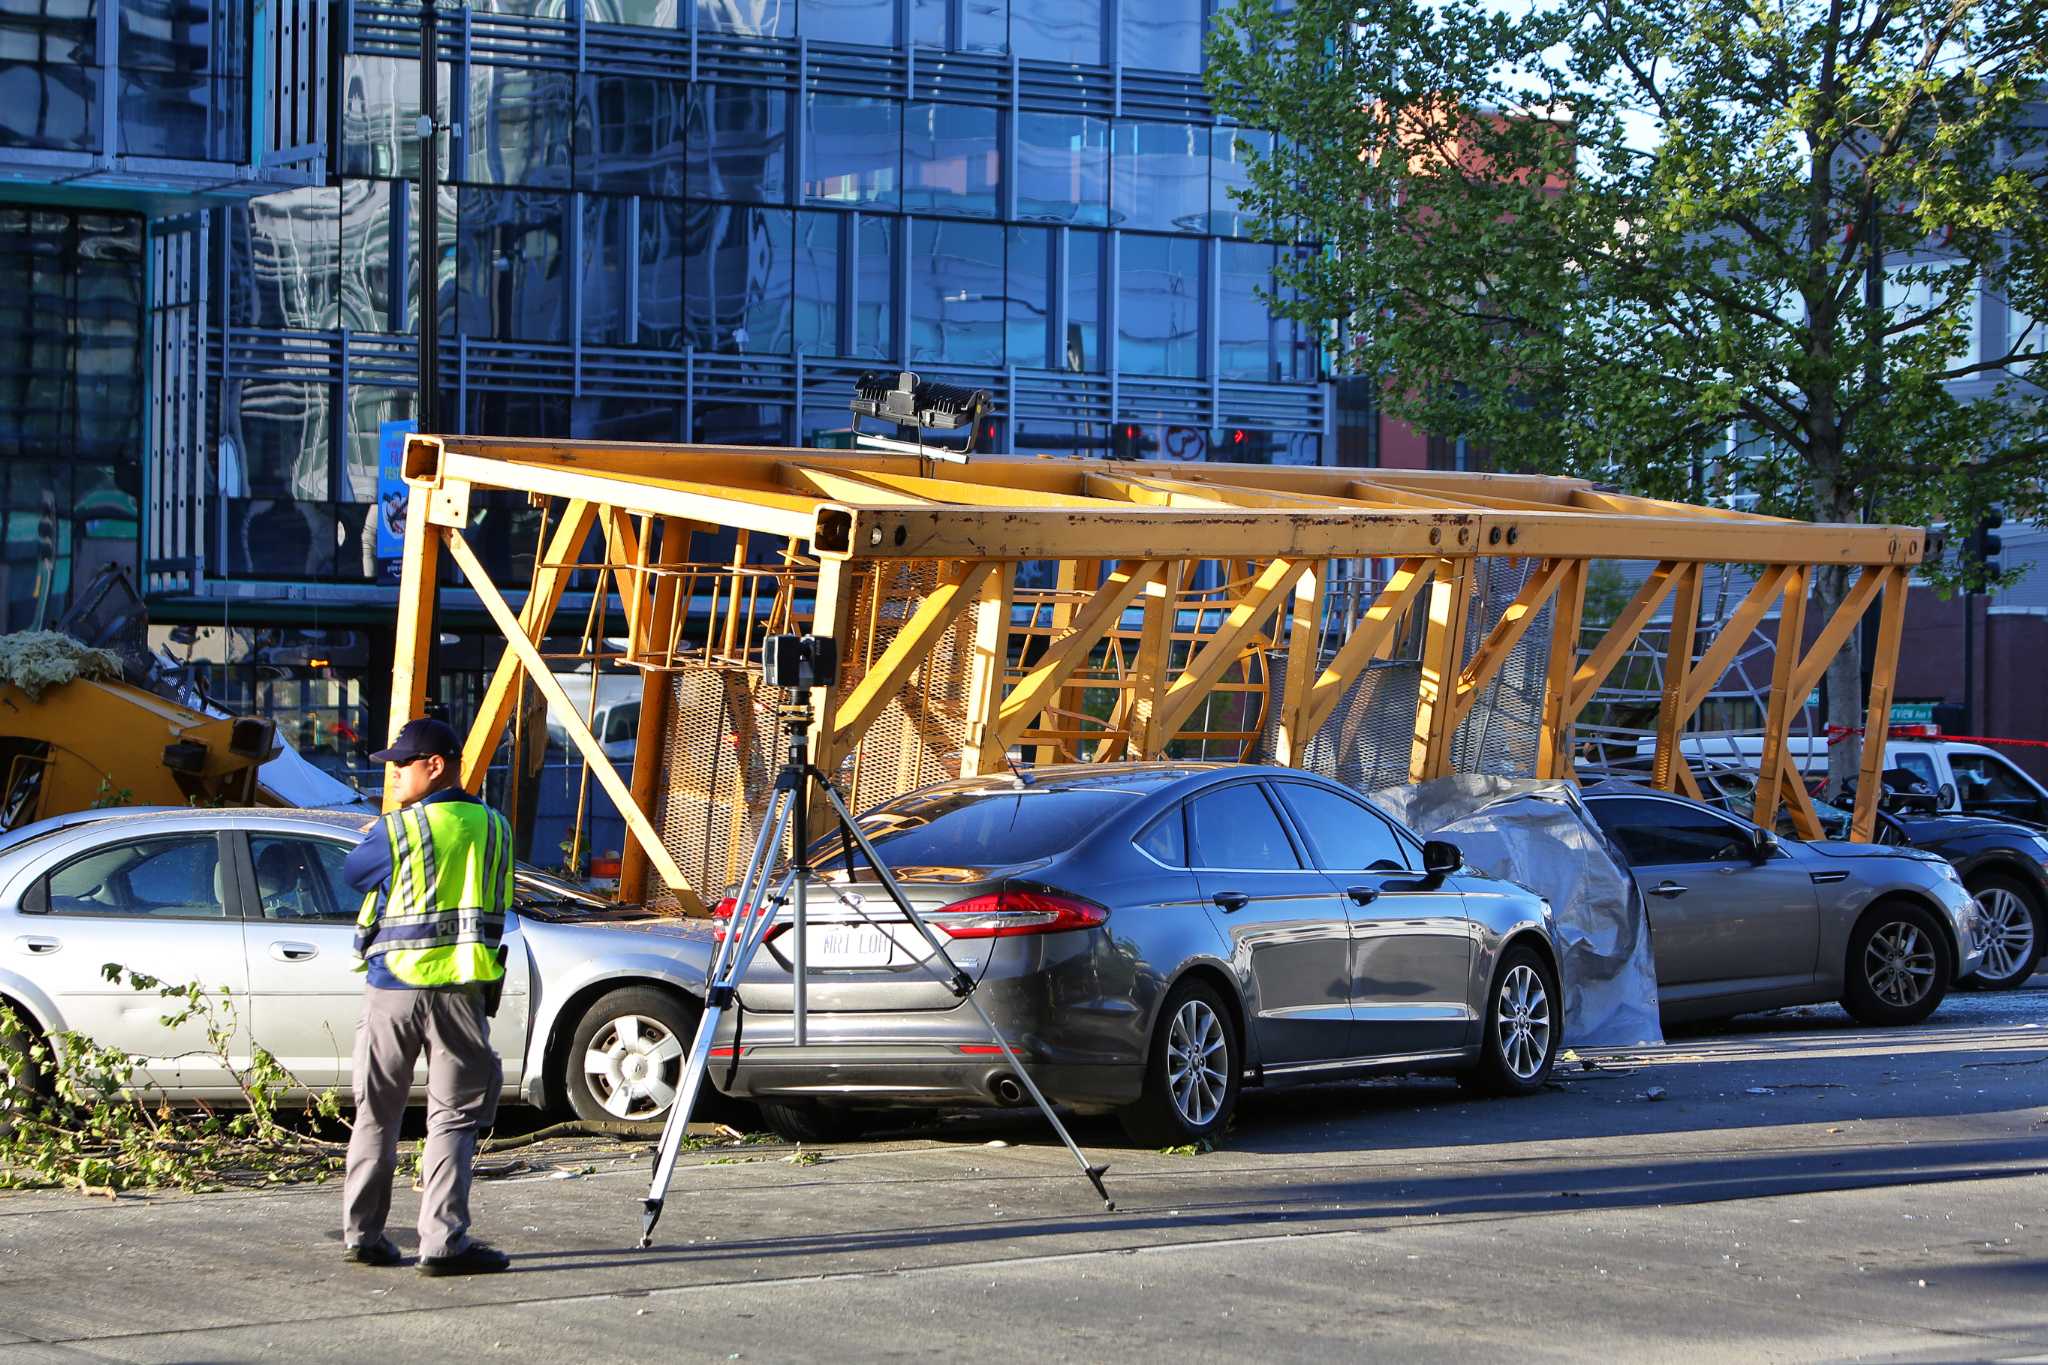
[(428, 406)]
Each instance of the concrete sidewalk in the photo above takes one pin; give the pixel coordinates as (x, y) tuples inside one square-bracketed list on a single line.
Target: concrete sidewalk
[(1397, 1218)]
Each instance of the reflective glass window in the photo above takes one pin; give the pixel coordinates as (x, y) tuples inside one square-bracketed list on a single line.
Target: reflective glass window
[(738, 141), (956, 292), (849, 21), (518, 128), (1161, 35), (1159, 306), (1248, 340), (639, 13), (49, 105), (855, 149), (874, 283), (816, 293), (163, 878), (380, 110), (1082, 346), (612, 418), (1345, 835), (1229, 169), (1161, 176), (630, 135), (738, 279), (928, 23), (194, 36), (1063, 168), (511, 265), (369, 407), (607, 270), (278, 434), (952, 159), (50, 31), (285, 257), (378, 219), (1298, 351), (1027, 299), (985, 25), (1042, 436), (748, 18), (664, 249), (1236, 828), (185, 115), (1058, 31), (741, 424)]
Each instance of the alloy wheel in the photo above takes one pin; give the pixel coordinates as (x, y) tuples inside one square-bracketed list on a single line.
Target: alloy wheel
[(1899, 961), (633, 1066), (1197, 1063), (2005, 933), (1522, 1018)]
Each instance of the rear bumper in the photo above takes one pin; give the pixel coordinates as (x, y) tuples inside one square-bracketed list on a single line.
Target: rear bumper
[(926, 1075)]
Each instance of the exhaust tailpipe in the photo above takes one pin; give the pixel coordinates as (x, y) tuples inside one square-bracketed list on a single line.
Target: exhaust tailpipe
[(1008, 1091)]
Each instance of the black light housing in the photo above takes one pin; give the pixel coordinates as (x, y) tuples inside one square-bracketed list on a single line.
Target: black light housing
[(919, 405)]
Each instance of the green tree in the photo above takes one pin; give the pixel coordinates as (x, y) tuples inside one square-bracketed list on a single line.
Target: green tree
[(1600, 236)]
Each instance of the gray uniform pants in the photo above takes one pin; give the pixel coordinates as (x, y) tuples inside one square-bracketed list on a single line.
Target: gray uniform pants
[(463, 1080)]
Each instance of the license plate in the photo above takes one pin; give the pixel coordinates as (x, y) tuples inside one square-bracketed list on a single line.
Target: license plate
[(851, 945)]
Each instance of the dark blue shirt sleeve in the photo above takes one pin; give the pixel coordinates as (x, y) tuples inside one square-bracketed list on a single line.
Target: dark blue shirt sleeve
[(369, 863)]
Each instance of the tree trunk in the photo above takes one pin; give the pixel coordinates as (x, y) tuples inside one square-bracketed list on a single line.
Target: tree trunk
[(1842, 710)]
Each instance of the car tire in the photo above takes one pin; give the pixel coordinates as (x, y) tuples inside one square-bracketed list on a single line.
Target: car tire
[(22, 1083), (1899, 967), (2010, 926), (625, 1056), (1192, 1070), (1524, 1027), (806, 1122)]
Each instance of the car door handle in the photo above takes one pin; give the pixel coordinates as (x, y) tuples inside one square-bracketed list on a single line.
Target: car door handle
[(1231, 901), (1362, 895), (38, 945), (294, 952), (1668, 890)]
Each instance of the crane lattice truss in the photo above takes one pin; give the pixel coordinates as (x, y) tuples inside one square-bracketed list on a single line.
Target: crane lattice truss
[(1091, 610)]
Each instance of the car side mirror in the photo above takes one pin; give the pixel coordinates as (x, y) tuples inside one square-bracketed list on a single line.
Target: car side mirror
[(1946, 800), (1762, 846), (1441, 857)]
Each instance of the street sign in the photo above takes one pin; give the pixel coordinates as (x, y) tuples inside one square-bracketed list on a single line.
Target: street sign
[(1912, 713)]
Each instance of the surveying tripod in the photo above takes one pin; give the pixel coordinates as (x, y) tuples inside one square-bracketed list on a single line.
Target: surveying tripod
[(755, 912)]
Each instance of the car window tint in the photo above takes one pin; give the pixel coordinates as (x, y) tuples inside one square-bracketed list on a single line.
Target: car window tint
[(300, 879), (1981, 777), (167, 878), (1235, 827), (622, 722), (979, 827), (1344, 835), (1166, 839), (1921, 766), (1652, 833)]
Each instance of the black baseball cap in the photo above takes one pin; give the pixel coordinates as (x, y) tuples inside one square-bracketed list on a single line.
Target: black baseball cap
[(420, 739)]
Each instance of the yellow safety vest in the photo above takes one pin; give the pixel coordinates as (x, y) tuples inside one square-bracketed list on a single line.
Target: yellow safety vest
[(440, 918)]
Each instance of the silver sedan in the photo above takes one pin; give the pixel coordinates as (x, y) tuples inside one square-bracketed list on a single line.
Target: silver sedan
[(599, 1004)]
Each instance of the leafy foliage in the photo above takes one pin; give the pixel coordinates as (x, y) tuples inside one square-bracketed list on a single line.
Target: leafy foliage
[(75, 1114)]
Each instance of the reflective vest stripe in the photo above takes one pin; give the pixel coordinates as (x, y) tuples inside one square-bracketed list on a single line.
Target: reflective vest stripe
[(443, 913)]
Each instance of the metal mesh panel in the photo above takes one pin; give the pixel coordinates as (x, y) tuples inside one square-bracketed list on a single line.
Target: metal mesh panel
[(717, 761), (916, 739)]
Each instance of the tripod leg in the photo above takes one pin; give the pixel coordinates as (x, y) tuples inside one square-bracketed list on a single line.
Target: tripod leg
[(963, 986), (748, 930)]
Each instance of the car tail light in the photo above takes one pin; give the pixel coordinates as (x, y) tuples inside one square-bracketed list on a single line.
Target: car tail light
[(721, 920), (1008, 913)]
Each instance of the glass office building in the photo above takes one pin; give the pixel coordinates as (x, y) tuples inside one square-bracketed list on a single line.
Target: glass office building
[(670, 220)]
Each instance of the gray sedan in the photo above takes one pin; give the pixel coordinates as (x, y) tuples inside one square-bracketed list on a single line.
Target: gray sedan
[(1151, 937), (1743, 920), (599, 1004)]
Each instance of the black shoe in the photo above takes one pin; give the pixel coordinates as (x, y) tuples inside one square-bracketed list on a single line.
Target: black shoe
[(474, 1259), (379, 1253)]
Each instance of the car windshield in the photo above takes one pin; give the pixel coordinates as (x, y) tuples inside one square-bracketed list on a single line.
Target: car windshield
[(978, 827)]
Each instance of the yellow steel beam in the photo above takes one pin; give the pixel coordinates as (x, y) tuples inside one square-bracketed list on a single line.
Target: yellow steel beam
[(1443, 648), (1506, 633), (656, 691), (1627, 626), (771, 511), (983, 750), (1304, 660), (579, 734), (1729, 639), (856, 489), (1877, 716), (1221, 649), (550, 578), (1772, 760), (960, 585), (925, 488), (1671, 715), (1369, 641), (1835, 634), (1069, 651), (418, 576), (1131, 720), (1798, 804), (1554, 739)]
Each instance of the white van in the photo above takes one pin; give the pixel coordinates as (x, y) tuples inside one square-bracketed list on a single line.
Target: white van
[(615, 718), (1965, 777)]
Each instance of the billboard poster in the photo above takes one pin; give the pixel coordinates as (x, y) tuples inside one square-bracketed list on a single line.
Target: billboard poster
[(391, 494)]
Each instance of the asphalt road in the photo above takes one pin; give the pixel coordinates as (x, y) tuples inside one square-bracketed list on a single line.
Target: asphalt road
[(1797, 1188)]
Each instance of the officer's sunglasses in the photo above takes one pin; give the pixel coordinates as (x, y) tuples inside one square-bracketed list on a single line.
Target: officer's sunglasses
[(416, 758)]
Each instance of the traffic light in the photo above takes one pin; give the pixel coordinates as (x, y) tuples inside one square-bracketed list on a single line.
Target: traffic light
[(1129, 441), (1981, 557), (1237, 439)]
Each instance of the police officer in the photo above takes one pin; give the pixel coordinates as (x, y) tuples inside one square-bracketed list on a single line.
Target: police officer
[(439, 876)]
